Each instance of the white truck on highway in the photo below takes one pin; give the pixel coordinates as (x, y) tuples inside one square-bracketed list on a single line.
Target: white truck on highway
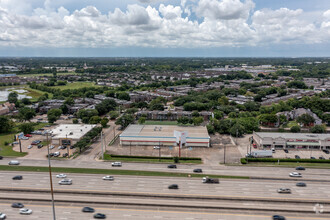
[(210, 180), (260, 153)]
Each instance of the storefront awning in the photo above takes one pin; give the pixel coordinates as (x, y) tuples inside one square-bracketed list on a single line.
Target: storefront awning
[(303, 143)]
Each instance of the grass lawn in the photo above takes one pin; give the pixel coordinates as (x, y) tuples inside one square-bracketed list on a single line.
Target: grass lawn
[(291, 124), (35, 94), (112, 172), (76, 85), (148, 160), (161, 123)]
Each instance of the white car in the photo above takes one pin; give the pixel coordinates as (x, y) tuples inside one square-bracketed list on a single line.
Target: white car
[(56, 154), (116, 164), (15, 142), (30, 146), (2, 215), (156, 147), (13, 162), (62, 175), (284, 190), (25, 211), (51, 147), (65, 182), (108, 178), (295, 174), (59, 148)]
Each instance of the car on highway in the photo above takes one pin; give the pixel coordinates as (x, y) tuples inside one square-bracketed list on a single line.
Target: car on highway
[(321, 158), (296, 157), (25, 211), (62, 175), (300, 168), (301, 184), (116, 164), (156, 147), (2, 216), (284, 190), (30, 146), (295, 174), (278, 217), (313, 158), (198, 170), (108, 178), (1, 157), (100, 216), (40, 146), (18, 177), (173, 186), (17, 205), (172, 166), (65, 182), (326, 151), (65, 155), (88, 209), (13, 162), (286, 151)]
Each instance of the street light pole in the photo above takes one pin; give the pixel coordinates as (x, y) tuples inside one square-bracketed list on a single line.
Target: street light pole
[(102, 144), (51, 181)]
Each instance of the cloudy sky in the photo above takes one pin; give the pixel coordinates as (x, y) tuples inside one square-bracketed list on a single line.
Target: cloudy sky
[(224, 28)]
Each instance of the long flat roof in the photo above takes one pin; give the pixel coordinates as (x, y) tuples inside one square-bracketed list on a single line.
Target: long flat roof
[(72, 131), (311, 136), (164, 131)]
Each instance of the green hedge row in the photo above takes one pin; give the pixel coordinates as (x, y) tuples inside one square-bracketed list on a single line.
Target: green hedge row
[(150, 157), (244, 160)]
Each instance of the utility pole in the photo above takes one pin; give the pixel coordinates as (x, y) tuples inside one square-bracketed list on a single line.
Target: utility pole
[(159, 150), (66, 142), (102, 144), (224, 154), (20, 145), (51, 180)]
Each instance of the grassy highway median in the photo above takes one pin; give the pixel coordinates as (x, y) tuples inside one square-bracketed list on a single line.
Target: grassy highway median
[(110, 172)]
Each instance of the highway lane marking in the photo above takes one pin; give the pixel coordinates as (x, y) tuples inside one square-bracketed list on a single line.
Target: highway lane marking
[(169, 194), (173, 212)]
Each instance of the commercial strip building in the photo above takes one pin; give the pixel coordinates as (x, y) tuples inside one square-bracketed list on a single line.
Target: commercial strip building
[(164, 135), (69, 134), (269, 140)]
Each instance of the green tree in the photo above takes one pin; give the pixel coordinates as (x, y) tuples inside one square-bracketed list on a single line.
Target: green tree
[(75, 121), (69, 101), (183, 120), (142, 120), (26, 114), (5, 124), (26, 101), (198, 120), (123, 96), (104, 122), (114, 114), (53, 115), (306, 119), (125, 120), (13, 97), (237, 130), (318, 129), (26, 128), (295, 129), (94, 119)]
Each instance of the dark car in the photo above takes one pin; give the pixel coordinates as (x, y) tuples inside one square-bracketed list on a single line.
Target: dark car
[(321, 158), (17, 205), (63, 147), (173, 186), (65, 155), (1, 157), (71, 147), (17, 177), (100, 216), (172, 166), (301, 184), (278, 217), (40, 146), (88, 209), (198, 170), (326, 151), (300, 168), (286, 151), (296, 156), (313, 158), (35, 142)]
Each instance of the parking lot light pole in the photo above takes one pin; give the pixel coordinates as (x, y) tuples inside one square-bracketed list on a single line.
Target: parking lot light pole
[(51, 180)]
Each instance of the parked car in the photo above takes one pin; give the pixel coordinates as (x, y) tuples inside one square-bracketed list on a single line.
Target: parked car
[(30, 146), (254, 145), (172, 166), (301, 184), (116, 164), (18, 177), (198, 170), (296, 156), (24, 138), (88, 209), (156, 147), (286, 151), (28, 135), (321, 158), (295, 174), (65, 155), (313, 158), (59, 148), (36, 142), (108, 178), (51, 147), (65, 182), (2, 216), (13, 162), (284, 190), (173, 186), (100, 216), (62, 175), (17, 205), (278, 217), (326, 151), (25, 211), (300, 168), (40, 146), (71, 147), (15, 142), (56, 154)]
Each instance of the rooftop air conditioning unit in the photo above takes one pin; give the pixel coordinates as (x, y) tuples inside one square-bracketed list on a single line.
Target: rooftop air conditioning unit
[(60, 129)]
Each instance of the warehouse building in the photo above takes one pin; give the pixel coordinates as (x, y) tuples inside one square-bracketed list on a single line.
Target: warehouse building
[(270, 140), (69, 134), (164, 135)]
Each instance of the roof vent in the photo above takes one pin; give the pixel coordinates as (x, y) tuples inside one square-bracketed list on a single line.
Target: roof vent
[(60, 129)]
